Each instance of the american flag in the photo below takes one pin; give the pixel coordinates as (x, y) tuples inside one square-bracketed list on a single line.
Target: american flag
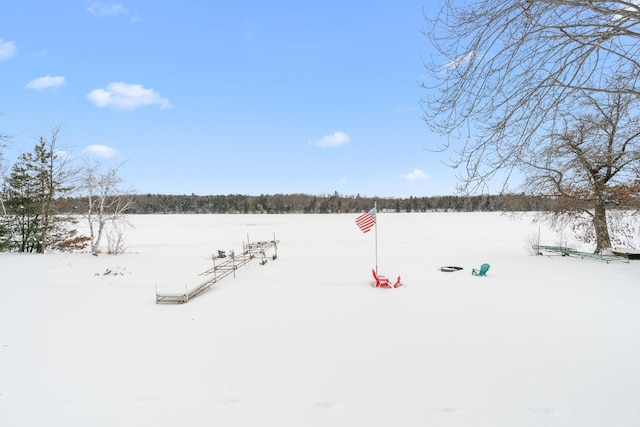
[(367, 220)]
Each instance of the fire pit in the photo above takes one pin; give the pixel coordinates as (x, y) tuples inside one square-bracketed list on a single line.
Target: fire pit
[(450, 268)]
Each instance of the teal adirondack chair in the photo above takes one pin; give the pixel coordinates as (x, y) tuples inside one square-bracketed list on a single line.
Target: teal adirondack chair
[(482, 271)]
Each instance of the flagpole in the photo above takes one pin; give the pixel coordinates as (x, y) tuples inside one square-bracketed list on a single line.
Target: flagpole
[(375, 206)]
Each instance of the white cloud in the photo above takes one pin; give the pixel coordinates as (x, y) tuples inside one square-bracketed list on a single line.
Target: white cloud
[(333, 140), (462, 59), (416, 175), (106, 9), (630, 10), (125, 96), (62, 154), (112, 9), (7, 49), (101, 151), (46, 82)]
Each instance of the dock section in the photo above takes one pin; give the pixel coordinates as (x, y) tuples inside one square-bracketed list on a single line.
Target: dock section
[(228, 266)]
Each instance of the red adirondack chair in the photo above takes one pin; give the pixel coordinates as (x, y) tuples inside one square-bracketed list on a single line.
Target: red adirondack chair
[(383, 282)]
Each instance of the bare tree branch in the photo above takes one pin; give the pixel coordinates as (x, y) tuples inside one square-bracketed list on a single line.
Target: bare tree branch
[(503, 71), (107, 203)]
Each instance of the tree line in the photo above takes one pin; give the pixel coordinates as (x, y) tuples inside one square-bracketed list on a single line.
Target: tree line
[(322, 204)]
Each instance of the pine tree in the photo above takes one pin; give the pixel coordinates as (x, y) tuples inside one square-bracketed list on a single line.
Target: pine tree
[(33, 184)]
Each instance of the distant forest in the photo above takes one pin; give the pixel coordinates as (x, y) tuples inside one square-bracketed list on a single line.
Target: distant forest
[(309, 204)]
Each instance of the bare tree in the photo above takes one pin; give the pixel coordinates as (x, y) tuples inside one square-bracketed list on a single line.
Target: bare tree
[(56, 181), (3, 171), (503, 69), (116, 237), (3, 174), (106, 203), (588, 163)]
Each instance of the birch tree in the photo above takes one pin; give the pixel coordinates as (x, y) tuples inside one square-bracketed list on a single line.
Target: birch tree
[(107, 203), (3, 171)]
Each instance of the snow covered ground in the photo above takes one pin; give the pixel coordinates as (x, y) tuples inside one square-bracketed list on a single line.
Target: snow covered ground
[(305, 340)]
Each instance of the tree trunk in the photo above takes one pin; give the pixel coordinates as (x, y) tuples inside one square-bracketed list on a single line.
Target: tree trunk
[(92, 237), (99, 235), (600, 226)]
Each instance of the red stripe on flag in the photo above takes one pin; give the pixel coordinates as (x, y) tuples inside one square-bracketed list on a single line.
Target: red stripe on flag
[(367, 220)]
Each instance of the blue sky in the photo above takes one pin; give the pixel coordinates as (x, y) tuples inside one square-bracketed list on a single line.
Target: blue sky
[(226, 97)]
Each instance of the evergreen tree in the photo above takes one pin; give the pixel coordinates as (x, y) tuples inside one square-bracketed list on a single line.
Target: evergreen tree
[(31, 223), (24, 209)]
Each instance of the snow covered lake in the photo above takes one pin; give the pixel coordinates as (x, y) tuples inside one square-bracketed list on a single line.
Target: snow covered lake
[(306, 340)]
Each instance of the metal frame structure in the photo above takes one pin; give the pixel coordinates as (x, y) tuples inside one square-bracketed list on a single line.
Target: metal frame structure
[(250, 251)]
